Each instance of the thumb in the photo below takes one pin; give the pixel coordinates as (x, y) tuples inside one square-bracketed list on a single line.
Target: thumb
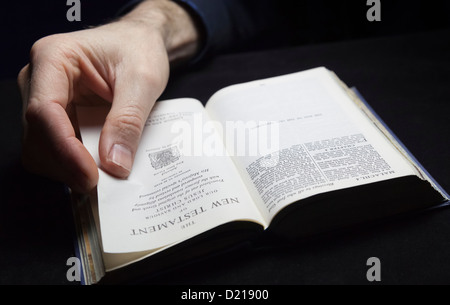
[(134, 96)]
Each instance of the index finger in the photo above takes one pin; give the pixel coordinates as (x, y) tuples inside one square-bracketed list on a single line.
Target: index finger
[(50, 92)]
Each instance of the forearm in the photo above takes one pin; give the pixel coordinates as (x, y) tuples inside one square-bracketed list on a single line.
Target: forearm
[(177, 27)]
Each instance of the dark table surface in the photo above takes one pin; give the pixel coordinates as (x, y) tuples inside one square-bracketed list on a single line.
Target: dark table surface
[(405, 79)]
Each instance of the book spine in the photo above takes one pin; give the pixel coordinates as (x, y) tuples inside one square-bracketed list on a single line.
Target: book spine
[(404, 149)]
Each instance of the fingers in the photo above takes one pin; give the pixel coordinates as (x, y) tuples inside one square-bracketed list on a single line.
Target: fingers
[(135, 93), (52, 149), (64, 68), (50, 144)]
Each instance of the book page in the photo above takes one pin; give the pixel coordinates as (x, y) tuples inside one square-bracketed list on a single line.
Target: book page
[(303, 135), (175, 190)]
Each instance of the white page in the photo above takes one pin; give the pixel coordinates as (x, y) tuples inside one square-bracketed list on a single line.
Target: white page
[(317, 135), (172, 193)]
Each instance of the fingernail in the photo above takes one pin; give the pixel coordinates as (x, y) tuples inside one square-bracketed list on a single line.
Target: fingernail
[(121, 156)]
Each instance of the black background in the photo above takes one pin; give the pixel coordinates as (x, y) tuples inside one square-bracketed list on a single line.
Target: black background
[(404, 73), (24, 22)]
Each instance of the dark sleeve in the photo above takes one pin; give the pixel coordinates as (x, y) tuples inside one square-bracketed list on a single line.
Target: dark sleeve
[(234, 25)]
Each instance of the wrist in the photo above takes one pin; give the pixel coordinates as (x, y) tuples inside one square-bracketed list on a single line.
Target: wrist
[(172, 22)]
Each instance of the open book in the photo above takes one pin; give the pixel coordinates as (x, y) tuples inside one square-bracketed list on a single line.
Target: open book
[(294, 155)]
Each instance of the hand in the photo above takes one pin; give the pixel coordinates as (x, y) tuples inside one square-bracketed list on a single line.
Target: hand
[(125, 63)]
